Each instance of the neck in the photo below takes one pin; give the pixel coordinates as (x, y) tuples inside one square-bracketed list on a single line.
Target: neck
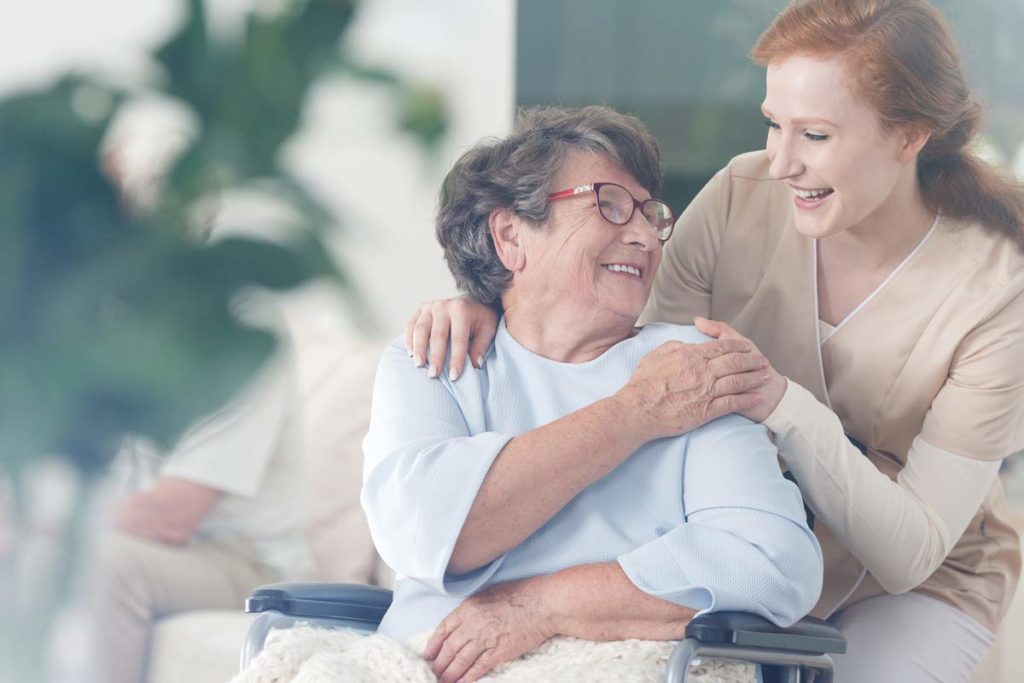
[(564, 334), (887, 235)]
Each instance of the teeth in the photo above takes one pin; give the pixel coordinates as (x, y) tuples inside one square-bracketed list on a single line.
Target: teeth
[(616, 268), (811, 194)]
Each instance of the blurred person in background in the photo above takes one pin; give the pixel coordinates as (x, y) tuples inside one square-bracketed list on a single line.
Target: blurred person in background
[(879, 265), (218, 516)]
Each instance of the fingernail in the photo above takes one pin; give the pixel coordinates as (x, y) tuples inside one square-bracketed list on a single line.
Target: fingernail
[(418, 360), (479, 361), (432, 372), (451, 374), (766, 376)]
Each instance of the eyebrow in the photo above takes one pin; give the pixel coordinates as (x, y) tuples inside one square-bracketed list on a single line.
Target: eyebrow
[(803, 121)]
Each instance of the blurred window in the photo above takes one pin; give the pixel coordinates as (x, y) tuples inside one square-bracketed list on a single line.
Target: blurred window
[(682, 68)]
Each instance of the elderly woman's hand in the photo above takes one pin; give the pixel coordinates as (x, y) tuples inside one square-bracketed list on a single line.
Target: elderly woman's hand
[(678, 387), (773, 388), (487, 629), (471, 325)]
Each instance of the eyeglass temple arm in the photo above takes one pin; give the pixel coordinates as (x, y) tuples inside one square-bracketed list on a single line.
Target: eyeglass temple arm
[(571, 192)]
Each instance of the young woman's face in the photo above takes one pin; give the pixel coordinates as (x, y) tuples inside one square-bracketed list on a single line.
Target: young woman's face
[(829, 147)]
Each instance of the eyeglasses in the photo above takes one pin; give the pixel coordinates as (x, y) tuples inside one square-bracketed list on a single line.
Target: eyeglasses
[(617, 205)]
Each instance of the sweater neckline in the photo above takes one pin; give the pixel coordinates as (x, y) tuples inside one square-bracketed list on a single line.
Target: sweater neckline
[(505, 338)]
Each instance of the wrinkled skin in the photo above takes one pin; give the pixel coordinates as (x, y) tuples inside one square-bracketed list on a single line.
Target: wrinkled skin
[(488, 629)]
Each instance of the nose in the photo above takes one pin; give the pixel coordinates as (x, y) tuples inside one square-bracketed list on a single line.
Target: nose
[(785, 161), (639, 232)]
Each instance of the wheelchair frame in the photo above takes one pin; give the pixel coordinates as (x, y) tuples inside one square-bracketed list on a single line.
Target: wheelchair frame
[(797, 654)]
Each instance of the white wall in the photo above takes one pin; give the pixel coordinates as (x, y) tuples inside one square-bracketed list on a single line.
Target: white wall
[(380, 182), (349, 152)]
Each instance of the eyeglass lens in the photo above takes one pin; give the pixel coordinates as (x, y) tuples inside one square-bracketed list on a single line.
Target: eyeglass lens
[(616, 205)]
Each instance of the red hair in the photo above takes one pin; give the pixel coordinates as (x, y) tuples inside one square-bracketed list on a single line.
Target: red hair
[(904, 62)]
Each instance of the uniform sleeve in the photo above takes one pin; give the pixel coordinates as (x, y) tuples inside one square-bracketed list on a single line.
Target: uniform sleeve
[(745, 544), (232, 449), (902, 530), (979, 412), (682, 285), (422, 471)]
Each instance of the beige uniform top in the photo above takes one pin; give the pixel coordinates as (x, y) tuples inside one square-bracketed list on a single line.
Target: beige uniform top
[(927, 377)]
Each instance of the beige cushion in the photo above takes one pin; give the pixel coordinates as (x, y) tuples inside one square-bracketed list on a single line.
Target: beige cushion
[(337, 387)]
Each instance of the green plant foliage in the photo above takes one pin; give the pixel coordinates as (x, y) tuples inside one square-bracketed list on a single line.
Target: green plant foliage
[(117, 321)]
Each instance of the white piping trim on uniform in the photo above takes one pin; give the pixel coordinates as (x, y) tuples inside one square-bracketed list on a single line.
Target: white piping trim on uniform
[(817, 327), (880, 287)]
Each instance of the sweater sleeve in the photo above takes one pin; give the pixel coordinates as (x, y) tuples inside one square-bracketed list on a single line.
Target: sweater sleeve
[(422, 470), (744, 544), (901, 530)]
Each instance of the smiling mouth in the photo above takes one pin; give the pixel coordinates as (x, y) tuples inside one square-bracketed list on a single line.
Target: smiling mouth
[(812, 195), (623, 268)]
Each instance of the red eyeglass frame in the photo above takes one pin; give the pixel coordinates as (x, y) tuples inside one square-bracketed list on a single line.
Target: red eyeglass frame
[(637, 204)]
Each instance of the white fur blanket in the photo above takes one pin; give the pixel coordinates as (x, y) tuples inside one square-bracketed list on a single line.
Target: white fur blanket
[(310, 655)]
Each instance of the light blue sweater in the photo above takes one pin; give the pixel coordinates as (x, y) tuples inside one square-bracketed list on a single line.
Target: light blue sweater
[(705, 520)]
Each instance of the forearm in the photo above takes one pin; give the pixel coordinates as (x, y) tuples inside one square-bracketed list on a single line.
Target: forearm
[(537, 474), (169, 512), (900, 530), (599, 602)]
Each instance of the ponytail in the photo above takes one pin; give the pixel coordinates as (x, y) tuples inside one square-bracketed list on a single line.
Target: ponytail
[(963, 186), (956, 182)]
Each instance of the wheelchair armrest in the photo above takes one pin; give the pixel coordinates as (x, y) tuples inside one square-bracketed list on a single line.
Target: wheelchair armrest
[(331, 605), (750, 630), (347, 601)]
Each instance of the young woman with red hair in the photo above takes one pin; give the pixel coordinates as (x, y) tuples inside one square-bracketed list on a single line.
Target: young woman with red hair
[(879, 266)]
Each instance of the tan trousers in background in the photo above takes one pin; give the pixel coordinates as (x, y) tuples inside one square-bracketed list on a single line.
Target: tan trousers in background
[(138, 581)]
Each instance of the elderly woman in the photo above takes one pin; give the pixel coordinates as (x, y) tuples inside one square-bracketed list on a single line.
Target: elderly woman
[(513, 502)]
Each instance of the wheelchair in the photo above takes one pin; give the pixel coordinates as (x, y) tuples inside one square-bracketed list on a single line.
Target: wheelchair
[(797, 654)]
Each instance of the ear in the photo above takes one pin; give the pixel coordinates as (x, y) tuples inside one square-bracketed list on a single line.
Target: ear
[(915, 137), (507, 233)]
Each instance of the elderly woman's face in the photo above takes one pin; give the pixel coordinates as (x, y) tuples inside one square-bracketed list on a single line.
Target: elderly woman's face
[(585, 260)]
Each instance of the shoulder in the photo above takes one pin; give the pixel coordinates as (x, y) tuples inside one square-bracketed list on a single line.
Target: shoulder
[(750, 166), (748, 203), (988, 268), (990, 255), (395, 352), (655, 334), (748, 171)]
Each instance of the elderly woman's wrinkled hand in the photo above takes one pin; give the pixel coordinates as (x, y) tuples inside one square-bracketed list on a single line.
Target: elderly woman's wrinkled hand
[(488, 629), (775, 384), (678, 387), (471, 324)]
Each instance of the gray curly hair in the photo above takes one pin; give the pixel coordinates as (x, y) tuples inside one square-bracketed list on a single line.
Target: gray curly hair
[(517, 172)]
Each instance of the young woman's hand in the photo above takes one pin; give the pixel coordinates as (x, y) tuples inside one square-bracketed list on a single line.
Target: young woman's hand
[(678, 387), (471, 327), (488, 629), (772, 389)]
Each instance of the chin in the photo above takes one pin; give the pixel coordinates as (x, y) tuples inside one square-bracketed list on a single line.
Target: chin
[(630, 313), (815, 229)]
